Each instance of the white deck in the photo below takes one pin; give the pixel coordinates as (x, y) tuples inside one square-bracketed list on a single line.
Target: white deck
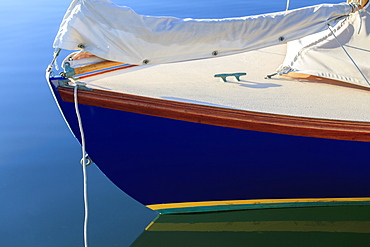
[(194, 82)]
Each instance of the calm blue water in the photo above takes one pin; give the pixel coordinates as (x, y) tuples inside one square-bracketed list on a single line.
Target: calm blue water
[(40, 175)]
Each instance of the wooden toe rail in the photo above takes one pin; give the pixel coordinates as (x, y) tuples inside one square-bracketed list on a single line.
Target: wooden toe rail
[(239, 119)]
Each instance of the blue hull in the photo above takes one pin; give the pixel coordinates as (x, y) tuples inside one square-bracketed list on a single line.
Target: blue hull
[(159, 160)]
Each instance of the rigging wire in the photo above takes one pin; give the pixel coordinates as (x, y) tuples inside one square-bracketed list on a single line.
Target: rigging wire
[(52, 63), (287, 5), (353, 61), (84, 163)]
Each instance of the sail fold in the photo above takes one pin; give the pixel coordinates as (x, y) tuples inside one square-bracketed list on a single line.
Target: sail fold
[(118, 33), (344, 57)]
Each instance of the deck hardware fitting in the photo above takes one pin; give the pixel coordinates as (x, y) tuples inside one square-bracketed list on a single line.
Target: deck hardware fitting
[(81, 46), (68, 70), (236, 75)]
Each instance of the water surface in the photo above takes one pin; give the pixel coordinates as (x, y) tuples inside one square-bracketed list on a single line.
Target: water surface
[(40, 175)]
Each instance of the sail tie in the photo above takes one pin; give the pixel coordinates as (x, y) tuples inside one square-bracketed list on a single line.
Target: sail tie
[(355, 6)]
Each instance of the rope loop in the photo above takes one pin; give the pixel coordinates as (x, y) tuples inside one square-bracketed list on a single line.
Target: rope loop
[(88, 161)]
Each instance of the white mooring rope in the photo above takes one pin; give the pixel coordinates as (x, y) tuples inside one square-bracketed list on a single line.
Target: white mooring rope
[(84, 161), (84, 164)]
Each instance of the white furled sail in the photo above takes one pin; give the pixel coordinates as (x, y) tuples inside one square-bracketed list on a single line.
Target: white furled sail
[(119, 34), (322, 54)]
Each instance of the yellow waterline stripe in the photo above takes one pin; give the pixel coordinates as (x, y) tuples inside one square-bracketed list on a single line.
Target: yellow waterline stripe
[(265, 226), (246, 202)]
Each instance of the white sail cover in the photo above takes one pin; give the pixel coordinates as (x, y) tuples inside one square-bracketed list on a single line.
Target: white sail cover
[(118, 33), (322, 55)]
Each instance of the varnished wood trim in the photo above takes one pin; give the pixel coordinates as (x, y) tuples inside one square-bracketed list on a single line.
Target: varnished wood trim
[(95, 66), (107, 70), (317, 79), (239, 119)]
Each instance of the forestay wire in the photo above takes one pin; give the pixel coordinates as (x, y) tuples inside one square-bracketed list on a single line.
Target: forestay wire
[(353, 61)]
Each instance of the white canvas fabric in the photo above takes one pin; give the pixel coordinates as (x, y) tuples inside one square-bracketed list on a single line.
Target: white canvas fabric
[(321, 54), (119, 34)]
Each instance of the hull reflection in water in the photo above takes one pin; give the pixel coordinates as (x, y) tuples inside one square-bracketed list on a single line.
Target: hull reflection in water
[(311, 226)]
